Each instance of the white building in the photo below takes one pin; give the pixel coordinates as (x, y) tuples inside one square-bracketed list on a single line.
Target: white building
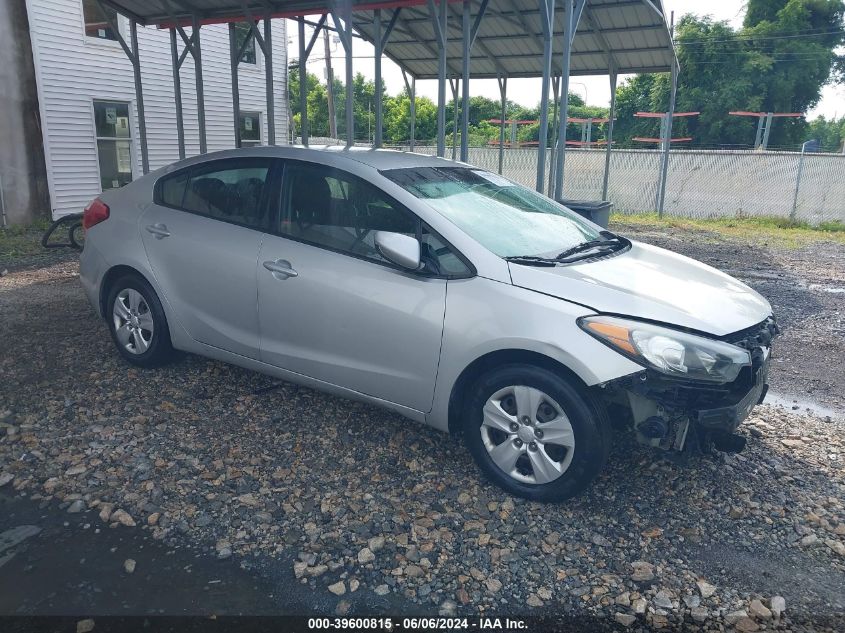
[(87, 102)]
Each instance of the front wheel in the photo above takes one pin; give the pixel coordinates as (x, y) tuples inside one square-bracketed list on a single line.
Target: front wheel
[(137, 323), (534, 433)]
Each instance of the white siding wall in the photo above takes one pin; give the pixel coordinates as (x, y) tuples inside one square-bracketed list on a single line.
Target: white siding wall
[(73, 70)]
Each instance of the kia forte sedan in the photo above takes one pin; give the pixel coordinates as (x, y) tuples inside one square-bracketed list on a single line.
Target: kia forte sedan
[(436, 289)]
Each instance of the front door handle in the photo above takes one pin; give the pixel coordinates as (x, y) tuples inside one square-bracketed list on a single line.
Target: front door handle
[(281, 269), (159, 230)]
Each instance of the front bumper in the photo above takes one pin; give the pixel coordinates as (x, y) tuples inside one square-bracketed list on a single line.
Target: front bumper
[(667, 411)]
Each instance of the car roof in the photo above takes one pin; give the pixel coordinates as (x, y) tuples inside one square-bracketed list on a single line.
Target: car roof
[(375, 158)]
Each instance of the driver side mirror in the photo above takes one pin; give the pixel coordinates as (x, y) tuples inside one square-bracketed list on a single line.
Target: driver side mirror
[(398, 248)]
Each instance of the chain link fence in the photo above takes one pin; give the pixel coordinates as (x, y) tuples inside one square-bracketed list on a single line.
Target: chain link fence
[(700, 183)]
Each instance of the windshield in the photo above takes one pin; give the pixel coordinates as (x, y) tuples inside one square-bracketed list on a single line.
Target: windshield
[(506, 218)]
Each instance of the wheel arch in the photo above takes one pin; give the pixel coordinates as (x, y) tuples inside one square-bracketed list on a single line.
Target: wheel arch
[(113, 274), (498, 358)]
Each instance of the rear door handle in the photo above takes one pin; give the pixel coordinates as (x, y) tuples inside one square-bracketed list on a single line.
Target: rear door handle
[(159, 230), (281, 269)]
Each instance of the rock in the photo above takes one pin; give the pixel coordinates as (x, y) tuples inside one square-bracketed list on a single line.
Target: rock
[(414, 571), (809, 540), (382, 590), (601, 541), (122, 517), (735, 616), (836, 546), (338, 588), (792, 443), (5, 478), (85, 626), (493, 585), (640, 605), (534, 601), (705, 588), (746, 625), (342, 607), (777, 605), (299, 568), (106, 510), (76, 507), (75, 470), (447, 608), (153, 518), (624, 599), (129, 566), (464, 499), (759, 610), (643, 571), (354, 584), (462, 595), (376, 543), (625, 619), (692, 601), (366, 556), (699, 614), (545, 593), (662, 600)]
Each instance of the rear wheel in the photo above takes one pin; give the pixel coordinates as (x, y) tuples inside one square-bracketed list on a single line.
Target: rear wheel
[(534, 433), (137, 323)]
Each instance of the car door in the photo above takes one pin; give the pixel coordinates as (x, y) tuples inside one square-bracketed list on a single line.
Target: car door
[(330, 307), (202, 236)]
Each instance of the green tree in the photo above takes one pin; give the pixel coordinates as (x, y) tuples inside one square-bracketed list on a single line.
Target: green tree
[(777, 61)]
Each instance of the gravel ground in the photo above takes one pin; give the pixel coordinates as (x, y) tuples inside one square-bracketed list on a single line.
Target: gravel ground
[(370, 513)]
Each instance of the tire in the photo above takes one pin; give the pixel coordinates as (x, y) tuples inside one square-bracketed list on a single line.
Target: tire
[(144, 338), (570, 449)]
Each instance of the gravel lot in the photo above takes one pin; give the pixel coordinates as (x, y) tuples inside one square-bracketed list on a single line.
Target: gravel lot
[(360, 511)]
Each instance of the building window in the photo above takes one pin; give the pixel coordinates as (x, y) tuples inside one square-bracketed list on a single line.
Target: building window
[(250, 124), (99, 20), (242, 32), (114, 143)]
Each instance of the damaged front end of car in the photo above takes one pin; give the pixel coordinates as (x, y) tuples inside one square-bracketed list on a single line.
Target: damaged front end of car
[(695, 412)]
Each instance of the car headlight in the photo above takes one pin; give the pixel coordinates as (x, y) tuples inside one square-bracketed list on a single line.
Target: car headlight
[(671, 352)]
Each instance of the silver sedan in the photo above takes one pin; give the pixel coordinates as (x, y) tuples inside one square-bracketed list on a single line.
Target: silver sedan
[(436, 289)]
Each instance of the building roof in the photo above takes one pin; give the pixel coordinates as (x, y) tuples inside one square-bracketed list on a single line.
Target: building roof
[(631, 35)]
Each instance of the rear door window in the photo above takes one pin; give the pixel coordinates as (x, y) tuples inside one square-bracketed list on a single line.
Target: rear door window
[(234, 191)]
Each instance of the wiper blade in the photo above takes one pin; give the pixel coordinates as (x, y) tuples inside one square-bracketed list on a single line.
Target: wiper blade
[(611, 241), (531, 260)]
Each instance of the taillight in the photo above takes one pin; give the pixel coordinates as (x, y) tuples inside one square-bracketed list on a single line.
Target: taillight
[(94, 213)]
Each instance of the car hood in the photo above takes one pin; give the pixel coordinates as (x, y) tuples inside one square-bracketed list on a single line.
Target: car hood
[(652, 283)]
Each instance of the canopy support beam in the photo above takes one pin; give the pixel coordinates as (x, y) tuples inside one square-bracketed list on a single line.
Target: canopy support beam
[(344, 32), (304, 52), (412, 95), (380, 42), (503, 93), (438, 19), (667, 140), (611, 118), (571, 18), (135, 60), (176, 61), (547, 18), (469, 33)]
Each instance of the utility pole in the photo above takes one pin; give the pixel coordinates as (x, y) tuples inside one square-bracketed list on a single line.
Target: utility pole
[(330, 85)]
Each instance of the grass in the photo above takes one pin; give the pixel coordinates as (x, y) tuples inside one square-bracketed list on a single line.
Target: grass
[(22, 241), (772, 230)]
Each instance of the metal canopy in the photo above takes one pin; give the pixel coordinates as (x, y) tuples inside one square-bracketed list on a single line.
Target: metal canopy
[(453, 40), (632, 34)]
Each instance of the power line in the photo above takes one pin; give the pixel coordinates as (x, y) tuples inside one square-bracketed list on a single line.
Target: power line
[(744, 37)]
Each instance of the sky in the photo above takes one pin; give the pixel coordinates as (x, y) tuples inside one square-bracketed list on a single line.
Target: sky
[(595, 90)]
